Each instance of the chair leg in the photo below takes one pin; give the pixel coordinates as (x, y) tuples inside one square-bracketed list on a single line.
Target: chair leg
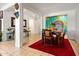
[(51, 43), (61, 42)]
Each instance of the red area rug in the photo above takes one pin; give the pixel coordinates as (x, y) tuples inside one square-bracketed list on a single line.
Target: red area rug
[(54, 50)]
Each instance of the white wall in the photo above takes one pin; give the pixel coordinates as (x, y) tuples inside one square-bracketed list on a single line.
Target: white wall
[(77, 24), (6, 23), (33, 20), (71, 21)]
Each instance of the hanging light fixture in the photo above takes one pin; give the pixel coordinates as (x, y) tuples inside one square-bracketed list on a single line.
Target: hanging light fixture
[(16, 6)]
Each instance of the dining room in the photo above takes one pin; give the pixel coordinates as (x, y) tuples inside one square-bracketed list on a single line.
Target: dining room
[(52, 30)]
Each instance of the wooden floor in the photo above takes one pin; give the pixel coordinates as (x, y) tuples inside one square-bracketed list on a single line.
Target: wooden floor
[(8, 49)]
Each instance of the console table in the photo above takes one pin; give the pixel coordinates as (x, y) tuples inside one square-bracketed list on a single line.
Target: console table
[(10, 35)]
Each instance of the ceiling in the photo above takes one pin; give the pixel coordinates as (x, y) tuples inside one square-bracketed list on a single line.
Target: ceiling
[(45, 8), (2, 5)]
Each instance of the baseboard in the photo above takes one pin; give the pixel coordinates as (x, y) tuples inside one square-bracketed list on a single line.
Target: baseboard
[(78, 42)]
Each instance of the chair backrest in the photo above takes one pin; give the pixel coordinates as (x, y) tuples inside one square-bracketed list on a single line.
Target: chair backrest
[(63, 34), (43, 32), (47, 32)]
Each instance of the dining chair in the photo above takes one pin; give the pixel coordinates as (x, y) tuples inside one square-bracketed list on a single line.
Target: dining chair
[(61, 40), (47, 37)]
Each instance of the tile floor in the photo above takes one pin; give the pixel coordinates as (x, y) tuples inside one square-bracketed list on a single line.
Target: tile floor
[(7, 48)]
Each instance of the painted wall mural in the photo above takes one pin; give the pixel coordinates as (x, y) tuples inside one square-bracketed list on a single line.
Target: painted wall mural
[(50, 21)]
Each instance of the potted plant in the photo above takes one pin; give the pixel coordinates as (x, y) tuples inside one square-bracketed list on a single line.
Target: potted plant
[(0, 36)]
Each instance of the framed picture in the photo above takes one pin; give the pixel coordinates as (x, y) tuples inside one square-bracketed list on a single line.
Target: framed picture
[(1, 14), (24, 23), (12, 21)]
